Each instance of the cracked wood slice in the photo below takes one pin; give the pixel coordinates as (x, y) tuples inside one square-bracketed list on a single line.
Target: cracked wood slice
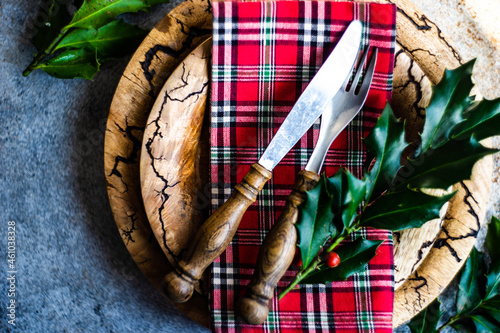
[(172, 39), (174, 156), (426, 52)]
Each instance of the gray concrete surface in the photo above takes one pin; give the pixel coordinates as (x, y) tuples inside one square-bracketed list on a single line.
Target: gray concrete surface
[(73, 273)]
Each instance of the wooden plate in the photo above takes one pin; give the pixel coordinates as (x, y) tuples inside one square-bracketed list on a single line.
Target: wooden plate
[(174, 159), (186, 27)]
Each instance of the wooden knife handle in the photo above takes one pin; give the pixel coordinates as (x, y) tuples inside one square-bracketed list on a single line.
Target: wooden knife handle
[(214, 235), (275, 255)]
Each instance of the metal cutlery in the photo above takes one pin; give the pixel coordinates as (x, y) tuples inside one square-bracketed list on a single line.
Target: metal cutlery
[(216, 233), (278, 249)]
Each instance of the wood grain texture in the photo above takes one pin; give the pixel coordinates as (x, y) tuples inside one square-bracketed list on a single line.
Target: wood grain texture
[(174, 154), (422, 45), (160, 53), (214, 235), (275, 255)]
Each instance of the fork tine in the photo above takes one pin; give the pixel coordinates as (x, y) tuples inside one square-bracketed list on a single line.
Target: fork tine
[(348, 78), (367, 80), (359, 70)]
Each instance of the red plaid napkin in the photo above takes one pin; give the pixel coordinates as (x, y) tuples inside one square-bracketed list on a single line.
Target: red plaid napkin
[(264, 55)]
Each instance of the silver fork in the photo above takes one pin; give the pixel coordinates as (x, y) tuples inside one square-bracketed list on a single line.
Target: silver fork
[(334, 121), (278, 249)]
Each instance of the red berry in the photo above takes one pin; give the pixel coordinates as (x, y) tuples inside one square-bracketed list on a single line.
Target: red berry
[(333, 259)]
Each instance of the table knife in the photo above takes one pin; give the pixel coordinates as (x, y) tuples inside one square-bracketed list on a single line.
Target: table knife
[(216, 232)]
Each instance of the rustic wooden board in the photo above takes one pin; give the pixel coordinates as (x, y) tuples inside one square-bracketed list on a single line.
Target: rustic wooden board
[(183, 29)]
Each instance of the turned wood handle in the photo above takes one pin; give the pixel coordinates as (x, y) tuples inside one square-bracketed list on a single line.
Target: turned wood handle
[(275, 255), (214, 235)]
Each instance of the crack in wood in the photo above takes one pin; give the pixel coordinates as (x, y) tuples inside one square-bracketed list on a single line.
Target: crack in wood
[(411, 52), (397, 236), (443, 242), (426, 26), (420, 253), (164, 195), (418, 287), (150, 73), (127, 132), (127, 233), (420, 111), (163, 192)]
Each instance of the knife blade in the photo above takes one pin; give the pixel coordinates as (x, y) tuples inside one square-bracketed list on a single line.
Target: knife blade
[(315, 97), (216, 233)]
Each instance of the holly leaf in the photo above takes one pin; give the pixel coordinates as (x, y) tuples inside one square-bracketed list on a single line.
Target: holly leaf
[(94, 14), (472, 285), (386, 143), (353, 256), (426, 320), (442, 167), (349, 192), (492, 307), (449, 98), (315, 226), (485, 324), (464, 325), (402, 210), (110, 41), (482, 120), (492, 239), (493, 276), (81, 63), (57, 16)]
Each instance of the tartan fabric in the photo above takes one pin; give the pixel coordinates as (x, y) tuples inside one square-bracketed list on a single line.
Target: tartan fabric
[(264, 55)]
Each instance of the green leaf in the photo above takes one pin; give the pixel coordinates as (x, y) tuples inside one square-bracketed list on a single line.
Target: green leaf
[(315, 225), (492, 244), (349, 192), (482, 120), (69, 64), (110, 41), (485, 324), (492, 240), (385, 142), (492, 283), (94, 14), (449, 98), (464, 325), (426, 321), (57, 16), (442, 167), (471, 285), (403, 210), (492, 308), (353, 259)]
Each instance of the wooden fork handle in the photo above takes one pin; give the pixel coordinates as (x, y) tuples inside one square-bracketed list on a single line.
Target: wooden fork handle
[(275, 255), (214, 235)]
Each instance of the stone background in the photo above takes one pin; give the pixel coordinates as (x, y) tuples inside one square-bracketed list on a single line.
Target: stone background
[(73, 272)]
